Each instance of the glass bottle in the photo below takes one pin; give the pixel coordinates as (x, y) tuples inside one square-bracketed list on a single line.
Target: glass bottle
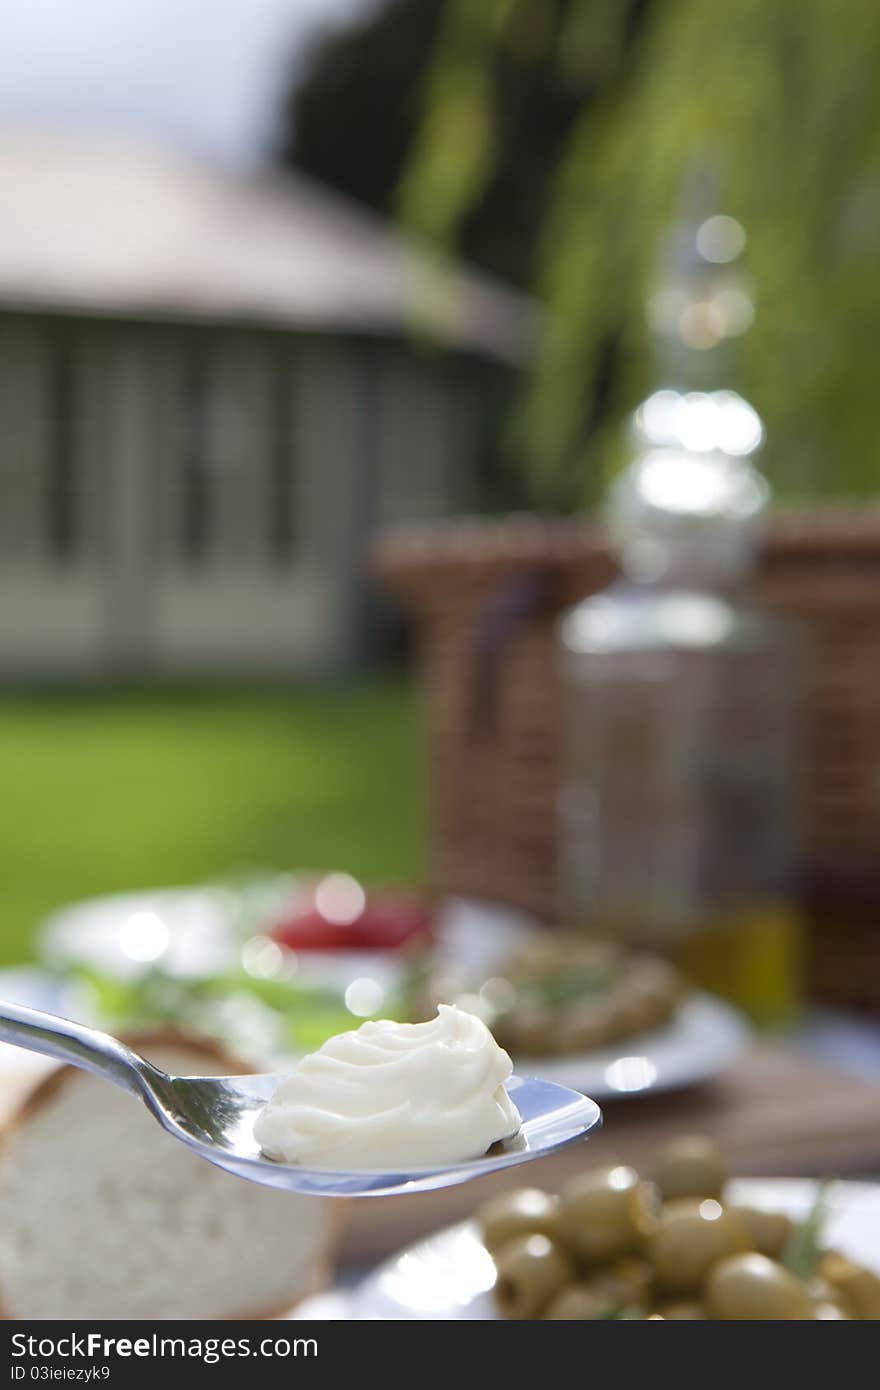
[(678, 809), (678, 812)]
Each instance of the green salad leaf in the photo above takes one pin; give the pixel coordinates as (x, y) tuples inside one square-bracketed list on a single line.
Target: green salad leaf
[(806, 1241), (253, 1015)]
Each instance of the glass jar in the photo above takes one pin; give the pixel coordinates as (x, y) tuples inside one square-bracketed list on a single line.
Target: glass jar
[(679, 802)]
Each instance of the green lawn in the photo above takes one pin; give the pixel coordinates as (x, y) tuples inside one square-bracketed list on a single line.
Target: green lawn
[(103, 792)]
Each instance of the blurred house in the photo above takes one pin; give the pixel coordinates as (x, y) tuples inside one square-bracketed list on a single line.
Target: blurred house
[(210, 394)]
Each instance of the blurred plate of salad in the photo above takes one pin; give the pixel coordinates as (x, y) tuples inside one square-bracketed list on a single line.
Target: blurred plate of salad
[(271, 963)]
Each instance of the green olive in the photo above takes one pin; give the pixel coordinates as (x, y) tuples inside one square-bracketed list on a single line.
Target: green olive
[(829, 1312), (768, 1231), (624, 1287), (854, 1287), (820, 1290), (752, 1287), (627, 1283), (530, 1273), (682, 1312), (606, 1213), (691, 1167), (577, 1303), (691, 1237), (527, 1211)]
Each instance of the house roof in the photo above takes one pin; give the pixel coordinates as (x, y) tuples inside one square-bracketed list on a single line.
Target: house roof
[(101, 226)]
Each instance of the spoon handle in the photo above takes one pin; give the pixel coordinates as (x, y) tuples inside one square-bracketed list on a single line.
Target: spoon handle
[(71, 1042)]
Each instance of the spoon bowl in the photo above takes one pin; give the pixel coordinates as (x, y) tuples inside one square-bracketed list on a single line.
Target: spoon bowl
[(214, 1115)]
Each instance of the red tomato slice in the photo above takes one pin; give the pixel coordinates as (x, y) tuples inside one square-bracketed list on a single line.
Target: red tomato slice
[(385, 923)]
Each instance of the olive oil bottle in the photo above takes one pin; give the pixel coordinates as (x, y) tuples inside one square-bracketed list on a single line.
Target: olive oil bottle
[(678, 812)]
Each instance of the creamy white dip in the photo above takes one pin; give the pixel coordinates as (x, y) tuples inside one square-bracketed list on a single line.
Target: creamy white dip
[(391, 1095)]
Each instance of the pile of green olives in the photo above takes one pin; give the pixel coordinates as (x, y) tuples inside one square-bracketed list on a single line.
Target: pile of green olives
[(615, 1245)]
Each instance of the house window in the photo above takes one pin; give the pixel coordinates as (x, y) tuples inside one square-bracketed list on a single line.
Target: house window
[(281, 527), (195, 469), (61, 529)]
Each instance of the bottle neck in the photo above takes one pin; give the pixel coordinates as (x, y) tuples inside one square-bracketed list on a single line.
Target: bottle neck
[(687, 515)]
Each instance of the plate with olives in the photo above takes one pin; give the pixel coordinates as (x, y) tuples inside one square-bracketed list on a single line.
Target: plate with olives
[(704, 1036), (683, 1243), (583, 1012)]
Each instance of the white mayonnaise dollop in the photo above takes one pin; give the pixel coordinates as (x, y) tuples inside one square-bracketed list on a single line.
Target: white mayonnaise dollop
[(393, 1095)]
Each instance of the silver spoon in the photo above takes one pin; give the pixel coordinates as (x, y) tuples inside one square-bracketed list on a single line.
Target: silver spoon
[(214, 1115)]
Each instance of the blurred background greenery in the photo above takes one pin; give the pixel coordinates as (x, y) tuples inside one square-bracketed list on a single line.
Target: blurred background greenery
[(553, 142), (122, 790)]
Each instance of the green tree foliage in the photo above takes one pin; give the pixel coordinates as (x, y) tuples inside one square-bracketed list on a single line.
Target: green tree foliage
[(496, 111), (782, 97), (354, 111)]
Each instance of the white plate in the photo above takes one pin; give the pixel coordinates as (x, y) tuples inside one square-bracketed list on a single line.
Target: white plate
[(701, 1040), (450, 1275), (198, 930), (195, 931), (191, 931)]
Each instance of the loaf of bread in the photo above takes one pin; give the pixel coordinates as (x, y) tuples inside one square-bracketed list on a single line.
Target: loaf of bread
[(103, 1215)]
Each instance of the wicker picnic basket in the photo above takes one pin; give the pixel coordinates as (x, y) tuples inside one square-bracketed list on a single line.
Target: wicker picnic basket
[(484, 597)]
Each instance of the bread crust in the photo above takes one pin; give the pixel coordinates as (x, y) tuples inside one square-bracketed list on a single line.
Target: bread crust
[(47, 1087)]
